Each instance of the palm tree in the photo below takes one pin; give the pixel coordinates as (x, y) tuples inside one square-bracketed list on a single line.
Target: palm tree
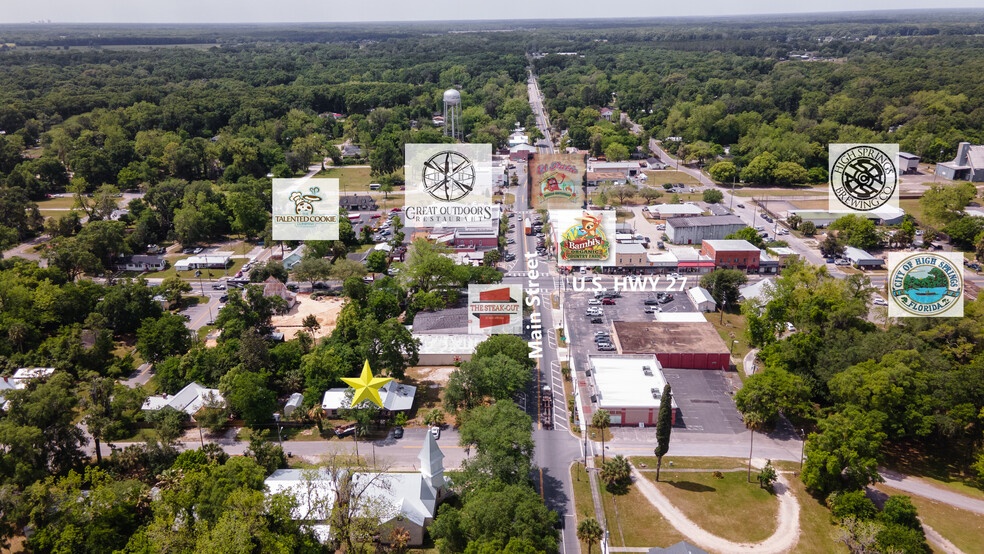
[(317, 413), (601, 420), (590, 531)]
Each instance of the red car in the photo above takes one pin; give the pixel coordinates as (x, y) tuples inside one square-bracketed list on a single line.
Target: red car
[(608, 301), (374, 216), (396, 210)]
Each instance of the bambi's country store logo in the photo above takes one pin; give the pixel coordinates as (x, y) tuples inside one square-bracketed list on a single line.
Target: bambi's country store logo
[(584, 241), (925, 285)]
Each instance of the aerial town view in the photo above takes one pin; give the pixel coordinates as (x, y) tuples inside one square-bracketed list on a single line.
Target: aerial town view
[(452, 278)]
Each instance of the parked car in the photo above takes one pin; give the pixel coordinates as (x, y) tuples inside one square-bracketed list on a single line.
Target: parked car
[(741, 205), (674, 276), (651, 302), (653, 309), (583, 270), (597, 320), (842, 262), (606, 347), (594, 302), (608, 301), (879, 301), (398, 432), (831, 260), (511, 241), (436, 431), (345, 430), (224, 298), (790, 328), (218, 286)]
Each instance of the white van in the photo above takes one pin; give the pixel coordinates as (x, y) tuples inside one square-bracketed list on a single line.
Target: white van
[(375, 186)]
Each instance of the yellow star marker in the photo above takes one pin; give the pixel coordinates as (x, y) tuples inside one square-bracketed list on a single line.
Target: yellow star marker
[(366, 386)]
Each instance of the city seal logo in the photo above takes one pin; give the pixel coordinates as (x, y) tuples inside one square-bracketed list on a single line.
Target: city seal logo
[(863, 177), (926, 285), (585, 241)]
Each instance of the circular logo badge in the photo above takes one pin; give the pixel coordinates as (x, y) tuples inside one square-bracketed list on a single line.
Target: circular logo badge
[(926, 284), (449, 176), (864, 178)]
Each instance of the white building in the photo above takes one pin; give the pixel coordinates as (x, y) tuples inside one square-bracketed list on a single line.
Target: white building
[(188, 400), (755, 290), (446, 349), (293, 403), (702, 299), (630, 388), (406, 500), (666, 211), (395, 397), (218, 260), (860, 258)]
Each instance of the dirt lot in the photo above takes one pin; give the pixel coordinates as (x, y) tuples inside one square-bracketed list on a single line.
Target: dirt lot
[(430, 381), (325, 309)]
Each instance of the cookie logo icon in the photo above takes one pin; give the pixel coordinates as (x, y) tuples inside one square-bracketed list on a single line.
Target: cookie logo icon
[(303, 202)]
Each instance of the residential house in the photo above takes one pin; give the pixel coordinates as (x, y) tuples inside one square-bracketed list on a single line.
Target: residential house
[(141, 263), (274, 287), (188, 400)]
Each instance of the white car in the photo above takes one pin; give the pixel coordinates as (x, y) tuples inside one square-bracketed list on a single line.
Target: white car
[(436, 431), (674, 276), (790, 328), (879, 301), (594, 302)]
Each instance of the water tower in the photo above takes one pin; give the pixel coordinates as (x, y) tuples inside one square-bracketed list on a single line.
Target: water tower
[(452, 115)]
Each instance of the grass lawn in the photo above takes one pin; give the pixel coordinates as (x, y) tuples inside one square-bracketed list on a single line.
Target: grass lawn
[(733, 328), (688, 462), (634, 522), (964, 529), (760, 193), (353, 179), (583, 505), (430, 395), (816, 532), (730, 508), (660, 177), (560, 338), (913, 208), (62, 204), (811, 204), (947, 472)]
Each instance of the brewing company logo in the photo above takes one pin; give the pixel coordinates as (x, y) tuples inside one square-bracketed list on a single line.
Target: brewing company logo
[(585, 241), (495, 309), (863, 177), (925, 285), (303, 211), (449, 176)]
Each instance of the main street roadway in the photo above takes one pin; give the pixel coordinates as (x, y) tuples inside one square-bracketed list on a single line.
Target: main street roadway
[(544, 145)]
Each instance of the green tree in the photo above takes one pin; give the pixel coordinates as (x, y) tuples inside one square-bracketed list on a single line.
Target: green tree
[(589, 531), (749, 234), (510, 345), (857, 231), (491, 258), (723, 284), (845, 453), (164, 337), (789, 173), (169, 424), (723, 172), (767, 476), (172, 288), (943, 204), (664, 425), (501, 436), (601, 420), (616, 152), (650, 194), (377, 262), (385, 158), (761, 169), (808, 228), (248, 396), (263, 271), (830, 246), (768, 394), (616, 474), (713, 196), (249, 215)]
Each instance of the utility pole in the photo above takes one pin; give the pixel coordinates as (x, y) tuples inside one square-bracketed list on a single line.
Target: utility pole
[(802, 448), (751, 440), (276, 417)]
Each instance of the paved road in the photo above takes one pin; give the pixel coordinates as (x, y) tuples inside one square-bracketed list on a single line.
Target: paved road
[(542, 120), (140, 376), (392, 453), (914, 485)]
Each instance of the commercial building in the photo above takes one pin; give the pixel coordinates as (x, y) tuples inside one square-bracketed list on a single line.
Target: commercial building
[(967, 166), (218, 260), (478, 238), (667, 211), (690, 260), (141, 263), (356, 202), (908, 163), (631, 254), (784, 255), (446, 349), (693, 230), (886, 215), (625, 169), (732, 254), (860, 258), (679, 345), (598, 177), (630, 388)]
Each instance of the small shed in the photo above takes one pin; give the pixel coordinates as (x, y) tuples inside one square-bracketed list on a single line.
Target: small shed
[(293, 403)]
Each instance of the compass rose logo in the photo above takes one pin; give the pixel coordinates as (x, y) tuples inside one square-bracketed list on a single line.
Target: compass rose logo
[(449, 176)]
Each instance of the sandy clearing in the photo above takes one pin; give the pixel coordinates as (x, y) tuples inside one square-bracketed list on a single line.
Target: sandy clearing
[(324, 308), (783, 540)]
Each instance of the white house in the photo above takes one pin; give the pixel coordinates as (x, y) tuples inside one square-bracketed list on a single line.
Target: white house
[(395, 397), (188, 400), (406, 500)]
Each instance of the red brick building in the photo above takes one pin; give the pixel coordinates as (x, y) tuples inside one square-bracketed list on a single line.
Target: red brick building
[(732, 254)]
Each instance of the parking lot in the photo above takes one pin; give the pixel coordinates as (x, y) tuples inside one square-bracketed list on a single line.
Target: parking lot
[(703, 396)]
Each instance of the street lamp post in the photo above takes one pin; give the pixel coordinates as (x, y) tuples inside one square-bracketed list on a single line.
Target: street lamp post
[(751, 440), (802, 448), (276, 417), (732, 349)]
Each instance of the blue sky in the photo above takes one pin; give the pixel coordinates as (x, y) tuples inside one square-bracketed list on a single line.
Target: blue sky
[(318, 11)]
